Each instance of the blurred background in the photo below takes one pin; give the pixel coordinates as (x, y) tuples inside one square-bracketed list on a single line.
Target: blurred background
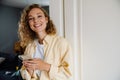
[(10, 11)]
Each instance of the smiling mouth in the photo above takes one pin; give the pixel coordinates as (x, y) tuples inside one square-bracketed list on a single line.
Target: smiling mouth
[(38, 25)]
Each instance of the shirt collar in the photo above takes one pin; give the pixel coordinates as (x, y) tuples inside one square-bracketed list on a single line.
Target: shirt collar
[(48, 39)]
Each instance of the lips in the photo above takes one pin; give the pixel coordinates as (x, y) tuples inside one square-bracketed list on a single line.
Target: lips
[(37, 25)]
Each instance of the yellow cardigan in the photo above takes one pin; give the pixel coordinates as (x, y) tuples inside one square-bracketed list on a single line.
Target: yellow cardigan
[(57, 52)]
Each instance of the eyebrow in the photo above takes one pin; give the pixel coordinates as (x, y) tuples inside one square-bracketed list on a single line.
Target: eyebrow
[(37, 14)]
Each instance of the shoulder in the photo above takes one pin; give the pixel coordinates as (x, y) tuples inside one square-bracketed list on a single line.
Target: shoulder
[(63, 45), (61, 41)]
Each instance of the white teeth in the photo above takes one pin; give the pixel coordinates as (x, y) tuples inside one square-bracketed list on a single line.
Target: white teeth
[(37, 25)]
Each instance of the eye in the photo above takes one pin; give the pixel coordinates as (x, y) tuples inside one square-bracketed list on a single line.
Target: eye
[(29, 19), (39, 16)]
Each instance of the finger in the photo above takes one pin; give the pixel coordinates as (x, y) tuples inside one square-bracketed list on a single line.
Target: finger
[(31, 61), (36, 59), (32, 67), (30, 64)]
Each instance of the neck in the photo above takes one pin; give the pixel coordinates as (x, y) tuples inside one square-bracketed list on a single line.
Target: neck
[(41, 37)]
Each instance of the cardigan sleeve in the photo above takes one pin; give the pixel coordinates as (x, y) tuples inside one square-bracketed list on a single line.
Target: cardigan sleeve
[(64, 70), (25, 74), (30, 49)]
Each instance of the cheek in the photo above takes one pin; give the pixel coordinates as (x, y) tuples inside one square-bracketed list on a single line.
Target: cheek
[(45, 22), (31, 26)]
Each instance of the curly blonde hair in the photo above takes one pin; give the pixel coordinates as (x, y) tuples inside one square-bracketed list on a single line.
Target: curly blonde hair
[(26, 35)]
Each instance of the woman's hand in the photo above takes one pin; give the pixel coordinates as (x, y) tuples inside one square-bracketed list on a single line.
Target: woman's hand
[(36, 64)]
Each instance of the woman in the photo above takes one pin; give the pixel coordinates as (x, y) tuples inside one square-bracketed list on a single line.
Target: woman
[(47, 56)]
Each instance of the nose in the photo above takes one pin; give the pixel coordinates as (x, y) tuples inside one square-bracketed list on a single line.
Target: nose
[(35, 20)]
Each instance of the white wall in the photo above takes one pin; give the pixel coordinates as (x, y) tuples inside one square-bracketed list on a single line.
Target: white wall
[(56, 14), (72, 33), (100, 39), (93, 29)]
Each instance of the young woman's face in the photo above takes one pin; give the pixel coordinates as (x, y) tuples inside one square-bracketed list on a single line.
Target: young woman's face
[(37, 20)]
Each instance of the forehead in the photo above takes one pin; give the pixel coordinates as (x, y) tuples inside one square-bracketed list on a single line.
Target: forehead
[(35, 11)]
